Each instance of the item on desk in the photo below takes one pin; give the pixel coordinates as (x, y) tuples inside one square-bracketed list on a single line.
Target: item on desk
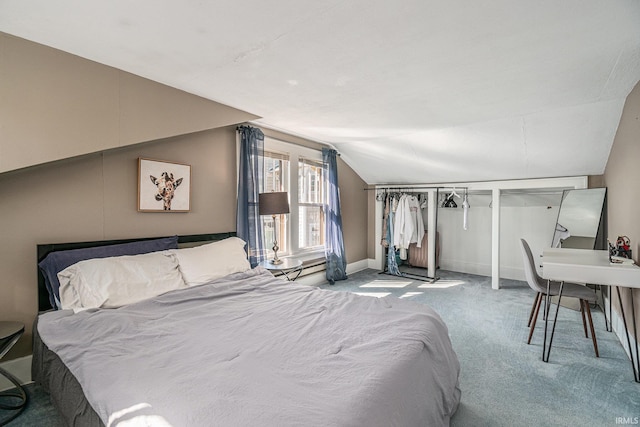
[(612, 250), (623, 247), (618, 260)]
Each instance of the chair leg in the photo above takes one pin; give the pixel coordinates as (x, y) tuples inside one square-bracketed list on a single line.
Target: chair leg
[(533, 308), (535, 317), (584, 322), (593, 332)]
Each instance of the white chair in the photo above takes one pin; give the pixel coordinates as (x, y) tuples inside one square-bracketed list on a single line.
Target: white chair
[(539, 285)]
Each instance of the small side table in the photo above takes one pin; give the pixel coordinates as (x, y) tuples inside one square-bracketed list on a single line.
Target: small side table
[(10, 332), (288, 268)]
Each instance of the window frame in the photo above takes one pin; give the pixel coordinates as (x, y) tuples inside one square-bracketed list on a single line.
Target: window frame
[(320, 204), (295, 153)]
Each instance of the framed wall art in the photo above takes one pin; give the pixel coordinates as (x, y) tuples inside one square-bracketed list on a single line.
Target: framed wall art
[(163, 186)]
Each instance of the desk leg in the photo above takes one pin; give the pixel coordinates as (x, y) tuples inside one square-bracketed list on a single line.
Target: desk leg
[(555, 319), (607, 322), (610, 324), (626, 331), (636, 367)]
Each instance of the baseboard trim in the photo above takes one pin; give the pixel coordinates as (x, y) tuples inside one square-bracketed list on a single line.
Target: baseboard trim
[(354, 267), (374, 264), (506, 272), (19, 368), (466, 267), (320, 278), (618, 327)]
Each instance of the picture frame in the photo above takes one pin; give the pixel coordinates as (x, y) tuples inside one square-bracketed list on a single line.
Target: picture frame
[(163, 186)]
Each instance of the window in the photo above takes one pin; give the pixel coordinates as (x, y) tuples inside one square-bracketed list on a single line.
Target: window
[(310, 212), (276, 178), (302, 231)]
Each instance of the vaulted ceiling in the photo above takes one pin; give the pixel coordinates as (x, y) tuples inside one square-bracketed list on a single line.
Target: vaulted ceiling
[(410, 91)]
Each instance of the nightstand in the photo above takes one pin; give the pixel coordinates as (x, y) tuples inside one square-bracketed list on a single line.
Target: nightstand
[(288, 268), (12, 400)]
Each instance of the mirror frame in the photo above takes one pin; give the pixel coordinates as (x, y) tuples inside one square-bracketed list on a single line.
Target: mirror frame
[(600, 240)]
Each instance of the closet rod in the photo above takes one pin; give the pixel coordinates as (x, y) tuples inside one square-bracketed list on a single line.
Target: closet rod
[(413, 188)]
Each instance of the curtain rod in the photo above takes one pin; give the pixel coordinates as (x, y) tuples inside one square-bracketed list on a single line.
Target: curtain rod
[(323, 144)]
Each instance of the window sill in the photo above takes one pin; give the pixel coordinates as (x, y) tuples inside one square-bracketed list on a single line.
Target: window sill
[(309, 258)]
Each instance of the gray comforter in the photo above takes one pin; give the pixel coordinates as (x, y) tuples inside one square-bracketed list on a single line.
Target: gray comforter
[(252, 350)]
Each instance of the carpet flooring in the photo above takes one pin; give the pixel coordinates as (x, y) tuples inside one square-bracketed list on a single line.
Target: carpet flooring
[(503, 380)]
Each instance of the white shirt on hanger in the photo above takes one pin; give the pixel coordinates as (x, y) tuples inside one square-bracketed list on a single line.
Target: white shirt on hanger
[(409, 226)]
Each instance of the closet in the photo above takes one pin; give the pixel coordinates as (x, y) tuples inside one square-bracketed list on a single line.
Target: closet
[(500, 213), (410, 249)]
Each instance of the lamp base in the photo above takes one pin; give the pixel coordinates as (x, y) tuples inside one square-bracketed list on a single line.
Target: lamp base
[(275, 260)]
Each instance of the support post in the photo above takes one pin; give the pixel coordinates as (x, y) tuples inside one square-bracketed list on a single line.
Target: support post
[(432, 225), (495, 238)]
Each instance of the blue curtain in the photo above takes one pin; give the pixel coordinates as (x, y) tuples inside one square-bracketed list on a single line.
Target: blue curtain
[(248, 221), (333, 240)]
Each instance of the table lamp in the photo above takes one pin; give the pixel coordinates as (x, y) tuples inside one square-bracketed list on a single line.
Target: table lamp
[(274, 203)]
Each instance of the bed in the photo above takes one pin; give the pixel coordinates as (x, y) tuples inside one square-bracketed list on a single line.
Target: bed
[(234, 346)]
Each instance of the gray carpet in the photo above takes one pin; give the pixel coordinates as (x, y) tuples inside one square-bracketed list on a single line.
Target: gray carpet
[(503, 380), (38, 413)]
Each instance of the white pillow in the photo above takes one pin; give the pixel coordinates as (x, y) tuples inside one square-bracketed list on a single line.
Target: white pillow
[(116, 281), (205, 263)]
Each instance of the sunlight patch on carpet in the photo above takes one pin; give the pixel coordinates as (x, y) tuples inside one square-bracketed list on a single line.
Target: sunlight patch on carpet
[(442, 284), (386, 284), (410, 294), (373, 294)]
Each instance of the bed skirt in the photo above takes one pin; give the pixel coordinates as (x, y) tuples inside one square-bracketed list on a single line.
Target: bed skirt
[(48, 371)]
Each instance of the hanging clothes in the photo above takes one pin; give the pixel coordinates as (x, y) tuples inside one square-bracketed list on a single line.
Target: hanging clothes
[(385, 221), (409, 225), (465, 211), (392, 264), (399, 227)]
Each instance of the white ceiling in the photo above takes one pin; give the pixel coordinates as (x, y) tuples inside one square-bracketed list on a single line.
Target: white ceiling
[(409, 91)]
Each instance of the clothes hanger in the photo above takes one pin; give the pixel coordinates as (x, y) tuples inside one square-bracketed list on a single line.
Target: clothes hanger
[(449, 202), (561, 227)]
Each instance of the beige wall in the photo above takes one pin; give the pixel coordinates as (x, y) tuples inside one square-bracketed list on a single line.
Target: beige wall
[(622, 178), (54, 105), (93, 196), (353, 202), (371, 243)]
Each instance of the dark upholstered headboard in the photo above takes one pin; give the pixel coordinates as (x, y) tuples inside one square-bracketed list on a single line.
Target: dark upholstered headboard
[(44, 250)]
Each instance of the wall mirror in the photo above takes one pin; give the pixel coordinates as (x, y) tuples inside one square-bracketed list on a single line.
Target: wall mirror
[(581, 220)]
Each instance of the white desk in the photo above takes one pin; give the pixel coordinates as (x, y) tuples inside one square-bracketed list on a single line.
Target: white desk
[(587, 266), (592, 266)]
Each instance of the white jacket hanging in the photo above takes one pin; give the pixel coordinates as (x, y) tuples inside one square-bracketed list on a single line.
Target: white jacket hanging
[(409, 225)]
